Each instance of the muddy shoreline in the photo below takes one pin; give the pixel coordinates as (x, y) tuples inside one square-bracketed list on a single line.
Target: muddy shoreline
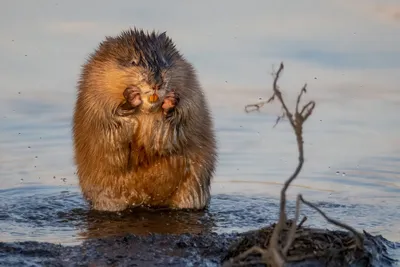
[(203, 249), (67, 233), (129, 250)]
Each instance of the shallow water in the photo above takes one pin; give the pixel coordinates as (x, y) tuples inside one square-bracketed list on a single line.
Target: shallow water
[(347, 53)]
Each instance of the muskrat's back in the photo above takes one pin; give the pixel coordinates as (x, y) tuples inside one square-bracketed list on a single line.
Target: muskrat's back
[(134, 149)]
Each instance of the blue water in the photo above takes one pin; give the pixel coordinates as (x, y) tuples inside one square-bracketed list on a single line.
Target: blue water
[(347, 52)]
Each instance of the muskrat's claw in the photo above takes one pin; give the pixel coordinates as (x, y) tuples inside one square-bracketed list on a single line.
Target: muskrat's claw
[(132, 96), (170, 102), (133, 100)]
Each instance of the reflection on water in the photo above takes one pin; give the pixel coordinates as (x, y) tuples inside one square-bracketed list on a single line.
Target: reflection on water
[(60, 215), (346, 51)]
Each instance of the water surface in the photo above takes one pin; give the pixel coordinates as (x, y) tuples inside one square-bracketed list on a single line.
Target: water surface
[(347, 52)]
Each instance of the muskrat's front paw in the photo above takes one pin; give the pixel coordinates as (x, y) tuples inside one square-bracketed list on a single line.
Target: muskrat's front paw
[(133, 100), (132, 96), (170, 102)]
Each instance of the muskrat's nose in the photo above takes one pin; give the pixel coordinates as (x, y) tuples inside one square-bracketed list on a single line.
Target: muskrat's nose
[(155, 80)]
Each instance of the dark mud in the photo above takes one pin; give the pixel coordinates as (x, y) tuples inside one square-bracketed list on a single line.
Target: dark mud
[(314, 247), (130, 250), (206, 249), (45, 226)]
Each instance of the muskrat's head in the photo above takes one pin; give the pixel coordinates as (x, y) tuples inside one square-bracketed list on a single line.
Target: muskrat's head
[(133, 58)]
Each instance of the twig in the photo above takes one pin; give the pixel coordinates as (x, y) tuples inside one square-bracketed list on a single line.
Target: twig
[(255, 107), (359, 238), (293, 228), (243, 255), (296, 122), (302, 221), (274, 255), (258, 106)]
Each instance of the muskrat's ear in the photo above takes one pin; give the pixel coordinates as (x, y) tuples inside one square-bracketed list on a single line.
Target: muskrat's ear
[(162, 36)]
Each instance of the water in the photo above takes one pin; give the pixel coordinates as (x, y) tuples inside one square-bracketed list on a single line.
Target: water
[(348, 53)]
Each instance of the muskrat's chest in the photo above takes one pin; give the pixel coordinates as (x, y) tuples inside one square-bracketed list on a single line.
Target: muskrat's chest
[(155, 135), (148, 127), (156, 179)]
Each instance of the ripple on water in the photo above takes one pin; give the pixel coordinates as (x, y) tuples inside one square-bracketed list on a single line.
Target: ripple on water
[(60, 215)]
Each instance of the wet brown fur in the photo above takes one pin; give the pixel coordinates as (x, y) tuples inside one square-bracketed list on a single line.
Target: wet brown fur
[(145, 158)]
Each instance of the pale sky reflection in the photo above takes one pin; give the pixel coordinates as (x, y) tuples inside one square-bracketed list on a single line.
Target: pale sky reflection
[(347, 51)]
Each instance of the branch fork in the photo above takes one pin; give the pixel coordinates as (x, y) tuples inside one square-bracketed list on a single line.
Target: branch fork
[(276, 255)]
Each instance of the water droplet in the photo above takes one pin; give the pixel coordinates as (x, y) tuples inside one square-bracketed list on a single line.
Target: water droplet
[(337, 173), (343, 174)]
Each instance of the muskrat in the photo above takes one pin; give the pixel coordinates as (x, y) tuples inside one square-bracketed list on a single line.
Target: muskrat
[(143, 134)]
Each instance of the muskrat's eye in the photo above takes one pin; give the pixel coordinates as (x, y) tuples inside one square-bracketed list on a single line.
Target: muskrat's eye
[(135, 62)]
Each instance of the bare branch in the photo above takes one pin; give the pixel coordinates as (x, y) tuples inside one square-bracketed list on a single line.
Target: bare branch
[(274, 254), (252, 250), (254, 107), (279, 118), (303, 91), (357, 235), (308, 109), (297, 125), (257, 106), (292, 231), (302, 221), (278, 94)]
